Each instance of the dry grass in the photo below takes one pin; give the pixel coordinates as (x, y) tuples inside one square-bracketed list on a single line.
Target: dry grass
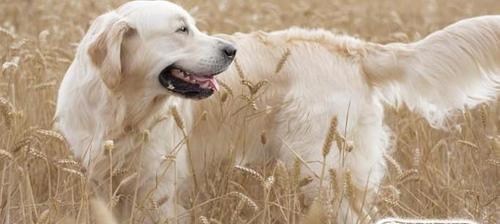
[(432, 173)]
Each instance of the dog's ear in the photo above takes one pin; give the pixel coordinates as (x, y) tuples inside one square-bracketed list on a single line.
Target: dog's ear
[(105, 50), (450, 69)]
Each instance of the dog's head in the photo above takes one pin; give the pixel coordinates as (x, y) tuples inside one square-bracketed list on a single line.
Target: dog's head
[(154, 48)]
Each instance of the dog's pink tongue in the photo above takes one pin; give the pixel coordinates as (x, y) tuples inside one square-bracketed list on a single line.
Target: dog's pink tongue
[(214, 84)]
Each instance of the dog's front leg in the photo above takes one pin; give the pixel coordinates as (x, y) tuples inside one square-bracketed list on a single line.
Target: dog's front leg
[(158, 191)]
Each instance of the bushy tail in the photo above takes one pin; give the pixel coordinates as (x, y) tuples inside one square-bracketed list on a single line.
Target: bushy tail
[(452, 68)]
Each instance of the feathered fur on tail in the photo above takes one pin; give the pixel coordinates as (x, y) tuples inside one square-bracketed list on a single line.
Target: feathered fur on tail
[(452, 68)]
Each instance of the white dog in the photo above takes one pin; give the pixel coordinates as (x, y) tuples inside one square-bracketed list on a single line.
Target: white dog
[(134, 60), (127, 67), (314, 75)]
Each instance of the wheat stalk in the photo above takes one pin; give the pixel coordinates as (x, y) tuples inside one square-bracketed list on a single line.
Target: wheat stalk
[(36, 153), (45, 85), (119, 171), (349, 186), (330, 137), (115, 200), (334, 184), (407, 174), (226, 87), (305, 181), (282, 61), (390, 202), (282, 175), (483, 113), (43, 218), (268, 183), (7, 111), (109, 145), (4, 153), (263, 38), (51, 134), (236, 211), (469, 144), (67, 162), (417, 157), (248, 201), (493, 162), (177, 117), (339, 140), (327, 145), (351, 193), (239, 69), (223, 97), (180, 124), (124, 182), (296, 170), (7, 33), (72, 171), (259, 86), (204, 220), (394, 164), (254, 174)]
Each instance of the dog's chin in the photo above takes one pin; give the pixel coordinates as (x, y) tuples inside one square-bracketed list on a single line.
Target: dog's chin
[(187, 84)]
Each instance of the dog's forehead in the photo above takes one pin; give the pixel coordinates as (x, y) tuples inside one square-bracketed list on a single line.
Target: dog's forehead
[(154, 12)]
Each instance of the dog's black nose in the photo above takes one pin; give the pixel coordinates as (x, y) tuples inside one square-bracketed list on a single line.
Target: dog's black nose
[(229, 51)]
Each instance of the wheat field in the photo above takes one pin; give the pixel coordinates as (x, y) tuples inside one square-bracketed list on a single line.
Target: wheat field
[(431, 173)]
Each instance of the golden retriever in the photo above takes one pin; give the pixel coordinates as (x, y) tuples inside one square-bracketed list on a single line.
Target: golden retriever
[(321, 88), (129, 65), (298, 87)]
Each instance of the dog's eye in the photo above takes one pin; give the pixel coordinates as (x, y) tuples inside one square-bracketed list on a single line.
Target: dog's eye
[(182, 29)]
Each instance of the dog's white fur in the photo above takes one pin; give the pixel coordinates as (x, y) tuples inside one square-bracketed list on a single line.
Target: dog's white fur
[(325, 75), (329, 75), (112, 91)]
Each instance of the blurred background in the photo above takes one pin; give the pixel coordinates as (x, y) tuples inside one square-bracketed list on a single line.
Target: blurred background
[(432, 173)]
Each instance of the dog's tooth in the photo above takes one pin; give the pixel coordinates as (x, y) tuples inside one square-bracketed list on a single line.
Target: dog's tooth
[(177, 73), (170, 86), (205, 85)]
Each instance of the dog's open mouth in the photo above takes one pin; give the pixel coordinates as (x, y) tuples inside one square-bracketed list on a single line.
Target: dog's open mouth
[(187, 84)]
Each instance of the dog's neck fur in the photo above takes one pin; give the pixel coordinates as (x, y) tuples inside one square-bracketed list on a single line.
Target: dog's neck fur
[(99, 114)]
